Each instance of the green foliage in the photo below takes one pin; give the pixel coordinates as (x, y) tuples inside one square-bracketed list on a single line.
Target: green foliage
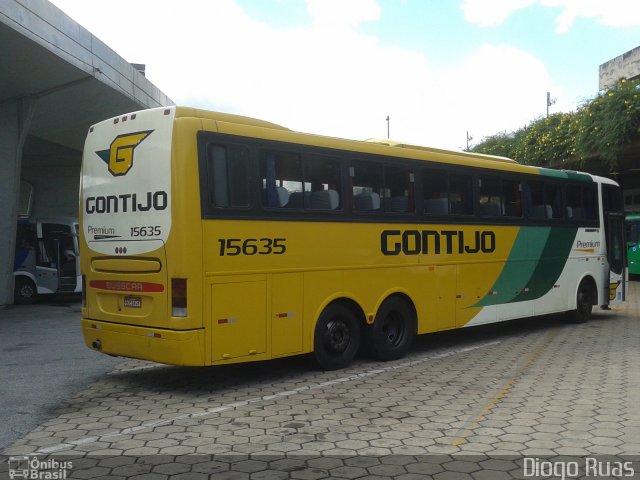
[(599, 128), (502, 145)]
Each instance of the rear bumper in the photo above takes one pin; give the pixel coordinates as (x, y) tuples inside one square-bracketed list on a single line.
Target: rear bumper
[(155, 344)]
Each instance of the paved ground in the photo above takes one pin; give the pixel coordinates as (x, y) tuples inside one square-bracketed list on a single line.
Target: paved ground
[(44, 363), (465, 404)]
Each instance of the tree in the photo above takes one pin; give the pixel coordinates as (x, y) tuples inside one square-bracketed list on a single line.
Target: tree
[(599, 128)]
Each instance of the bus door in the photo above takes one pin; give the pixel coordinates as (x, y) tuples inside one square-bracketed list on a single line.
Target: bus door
[(616, 256), (56, 258)]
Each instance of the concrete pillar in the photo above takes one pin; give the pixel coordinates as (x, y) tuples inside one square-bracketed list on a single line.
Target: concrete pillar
[(15, 119)]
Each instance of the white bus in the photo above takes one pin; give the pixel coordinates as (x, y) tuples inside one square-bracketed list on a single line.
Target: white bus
[(46, 258)]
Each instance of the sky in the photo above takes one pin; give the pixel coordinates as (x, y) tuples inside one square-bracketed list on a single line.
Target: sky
[(436, 68)]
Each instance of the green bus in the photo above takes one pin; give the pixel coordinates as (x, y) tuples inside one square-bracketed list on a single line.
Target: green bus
[(632, 223)]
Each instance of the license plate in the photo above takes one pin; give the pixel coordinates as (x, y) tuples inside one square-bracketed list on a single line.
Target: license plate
[(133, 302)]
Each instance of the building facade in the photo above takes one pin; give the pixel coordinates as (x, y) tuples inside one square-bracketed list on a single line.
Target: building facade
[(625, 66)]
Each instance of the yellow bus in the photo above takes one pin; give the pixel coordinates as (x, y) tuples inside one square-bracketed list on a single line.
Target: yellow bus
[(209, 238)]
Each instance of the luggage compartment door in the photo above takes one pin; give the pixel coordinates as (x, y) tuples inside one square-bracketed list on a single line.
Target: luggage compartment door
[(238, 319)]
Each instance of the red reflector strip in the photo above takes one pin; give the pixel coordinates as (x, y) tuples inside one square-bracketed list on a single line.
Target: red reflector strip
[(285, 314), (154, 335), (119, 286)]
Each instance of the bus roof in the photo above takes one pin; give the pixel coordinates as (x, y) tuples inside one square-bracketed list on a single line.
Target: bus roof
[(396, 143), (369, 145), (226, 117), (229, 123)]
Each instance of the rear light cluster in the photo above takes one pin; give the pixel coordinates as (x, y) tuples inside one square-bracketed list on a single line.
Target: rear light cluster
[(178, 297)]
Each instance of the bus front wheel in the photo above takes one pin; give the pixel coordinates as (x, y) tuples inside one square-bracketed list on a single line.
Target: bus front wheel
[(337, 337), (25, 291), (585, 299), (393, 330)]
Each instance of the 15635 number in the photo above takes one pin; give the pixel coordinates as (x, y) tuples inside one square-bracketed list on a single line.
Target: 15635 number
[(152, 231), (252, 246)]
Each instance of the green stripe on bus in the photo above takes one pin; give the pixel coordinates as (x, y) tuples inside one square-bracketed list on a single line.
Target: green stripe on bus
[(554, 257), (529, 275), (579, 177), (519, 268), (547, 172), (565, 175)]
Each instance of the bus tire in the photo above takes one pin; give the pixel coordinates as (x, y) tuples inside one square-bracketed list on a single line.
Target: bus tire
[(337, 337), (393, 330), (25, 291), (585, 299)]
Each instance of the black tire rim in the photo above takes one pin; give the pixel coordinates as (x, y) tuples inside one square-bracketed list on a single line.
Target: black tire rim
[(337, 335), (393, 328), (26, 291)]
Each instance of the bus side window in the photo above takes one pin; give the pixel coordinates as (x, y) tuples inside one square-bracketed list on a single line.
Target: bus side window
[(25, 236), (512, 193), (398, 189), (580, 203), (490, 197), (590, 202), (611, 199), (366, 185), (461, 195), (435, 187), (227, 174), (322, 185), (281, 175), (534, 201), (553, 197)]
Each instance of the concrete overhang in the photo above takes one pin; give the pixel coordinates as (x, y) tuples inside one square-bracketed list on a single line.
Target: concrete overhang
[(74, 78)]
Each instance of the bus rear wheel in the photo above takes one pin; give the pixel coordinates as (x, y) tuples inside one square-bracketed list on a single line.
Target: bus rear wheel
[(337, 337), (584, 302), (25, 291), (393, 330)]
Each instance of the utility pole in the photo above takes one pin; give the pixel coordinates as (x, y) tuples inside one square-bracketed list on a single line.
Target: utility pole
[(388, 127), (550, 101), (468, 140)]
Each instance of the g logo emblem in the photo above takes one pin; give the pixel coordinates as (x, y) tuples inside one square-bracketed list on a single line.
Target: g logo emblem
[(119, 157)]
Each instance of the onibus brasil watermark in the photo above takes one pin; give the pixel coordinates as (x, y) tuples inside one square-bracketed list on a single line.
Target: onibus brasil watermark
[(31, 467), (586, 467)]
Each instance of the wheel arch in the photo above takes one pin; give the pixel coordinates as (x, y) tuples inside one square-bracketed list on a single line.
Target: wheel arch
[(588, 277), (28, 275), (401, 295)]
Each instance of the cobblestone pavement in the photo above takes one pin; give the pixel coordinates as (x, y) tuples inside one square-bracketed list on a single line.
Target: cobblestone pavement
[(465, 404)]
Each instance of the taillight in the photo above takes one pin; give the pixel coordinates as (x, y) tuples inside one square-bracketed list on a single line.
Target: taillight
[(178, 297), (84, 290)]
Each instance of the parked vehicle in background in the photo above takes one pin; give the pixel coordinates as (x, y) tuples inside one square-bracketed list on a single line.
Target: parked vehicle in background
[(632, 225), (46, 258)]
